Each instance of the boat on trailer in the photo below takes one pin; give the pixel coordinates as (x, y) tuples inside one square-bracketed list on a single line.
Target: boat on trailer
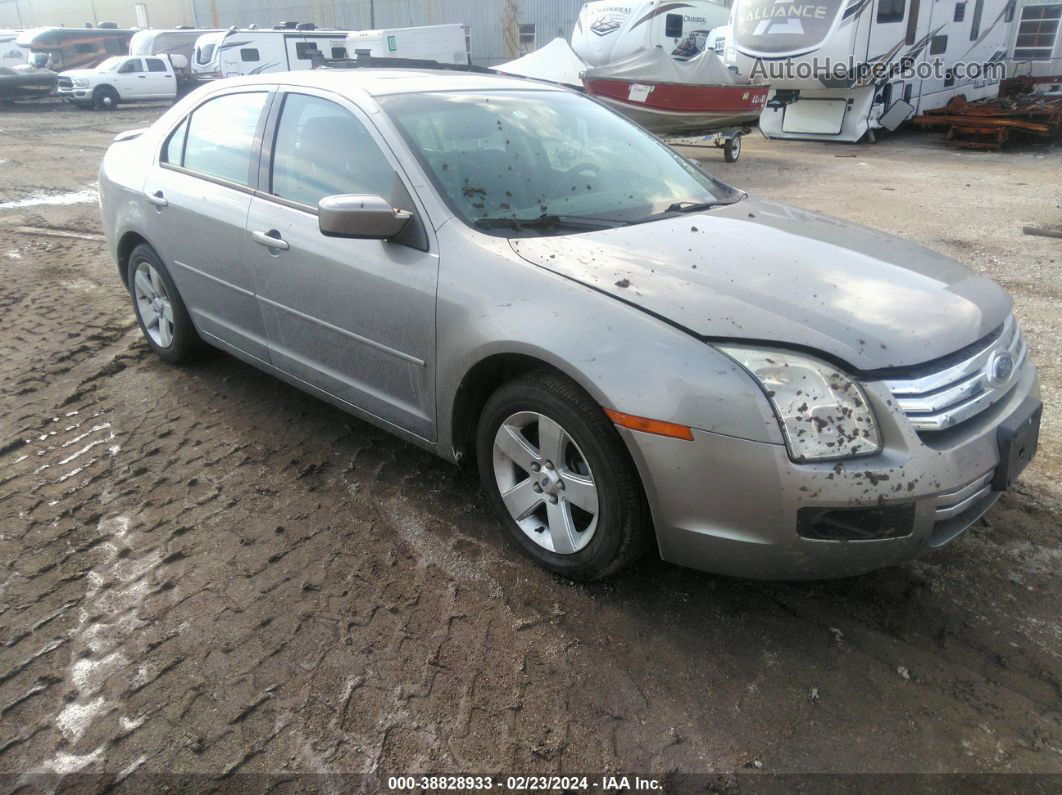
[(670, 97)]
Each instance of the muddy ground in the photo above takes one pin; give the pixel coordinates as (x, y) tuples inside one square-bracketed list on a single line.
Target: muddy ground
[(205, 571)]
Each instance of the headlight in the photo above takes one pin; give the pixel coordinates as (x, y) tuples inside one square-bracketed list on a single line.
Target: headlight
[(80, 83), (823, 413)]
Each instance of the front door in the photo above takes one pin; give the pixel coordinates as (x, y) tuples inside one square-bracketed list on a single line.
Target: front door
[(354, 318), (131, 79), (198, 195)]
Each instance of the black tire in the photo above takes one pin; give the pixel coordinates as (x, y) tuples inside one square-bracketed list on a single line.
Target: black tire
[(185, 342), (732, 149), (105, 98), (623, 527)]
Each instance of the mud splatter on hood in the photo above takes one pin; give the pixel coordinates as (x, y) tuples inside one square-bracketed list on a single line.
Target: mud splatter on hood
[(758, 270)]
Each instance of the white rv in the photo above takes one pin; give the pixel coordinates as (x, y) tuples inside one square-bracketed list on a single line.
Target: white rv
[(10, 53), (230, 53), (607, 31), (179, 41), (442, 43), (840, 69)]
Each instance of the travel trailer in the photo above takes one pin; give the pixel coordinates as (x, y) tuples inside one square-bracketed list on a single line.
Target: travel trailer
[(841, 69), (10, 53), (179, 41), (607, 31), (230, 53), (73, 48), (442, 43)]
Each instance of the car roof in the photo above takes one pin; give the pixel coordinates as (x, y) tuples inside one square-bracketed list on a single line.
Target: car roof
[(379, 82)]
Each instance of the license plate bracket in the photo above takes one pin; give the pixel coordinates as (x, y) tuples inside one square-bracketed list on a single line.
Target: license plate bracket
[(1018, 437)]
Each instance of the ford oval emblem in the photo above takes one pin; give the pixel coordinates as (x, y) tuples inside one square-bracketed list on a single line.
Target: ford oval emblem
[(1000, 368)]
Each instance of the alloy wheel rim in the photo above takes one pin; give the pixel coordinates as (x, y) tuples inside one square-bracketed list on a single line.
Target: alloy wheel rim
[(153, 304), (545, 482)]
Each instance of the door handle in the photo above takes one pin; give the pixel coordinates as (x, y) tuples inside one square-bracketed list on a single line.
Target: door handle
[(142, 77), (157, 199), (270, 239)]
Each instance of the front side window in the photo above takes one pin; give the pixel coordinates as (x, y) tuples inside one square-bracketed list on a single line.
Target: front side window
[(131, 67), (499, 158), (220, 137), (891, 10), (321, 150), (155, 65)]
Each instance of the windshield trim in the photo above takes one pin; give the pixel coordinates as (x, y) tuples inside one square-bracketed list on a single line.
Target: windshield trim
[(728, 193)]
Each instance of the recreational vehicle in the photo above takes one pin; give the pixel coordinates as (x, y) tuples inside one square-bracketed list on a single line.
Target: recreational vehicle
[(442, 43), (607, 31), (230, 53), (73, 48), (10, 53), (180, 41), (841, 69)]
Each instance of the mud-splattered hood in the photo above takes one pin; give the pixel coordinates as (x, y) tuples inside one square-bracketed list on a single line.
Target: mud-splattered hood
[(762, 271)]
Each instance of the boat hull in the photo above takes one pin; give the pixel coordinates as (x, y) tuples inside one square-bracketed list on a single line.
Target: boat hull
[(666, 108)]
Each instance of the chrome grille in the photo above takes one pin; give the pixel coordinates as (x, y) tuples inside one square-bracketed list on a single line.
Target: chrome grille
[(961, 390)]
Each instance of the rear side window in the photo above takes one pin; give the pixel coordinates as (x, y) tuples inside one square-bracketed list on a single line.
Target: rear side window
[(220, 136), (938, 45), (249, 54), (155, 65), (323, 150)]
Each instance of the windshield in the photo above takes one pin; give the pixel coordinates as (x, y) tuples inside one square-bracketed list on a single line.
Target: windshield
[(502, 157), (205, 53), (111, 63)]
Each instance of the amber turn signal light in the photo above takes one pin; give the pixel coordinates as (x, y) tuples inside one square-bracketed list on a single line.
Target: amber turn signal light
[(647, 425)]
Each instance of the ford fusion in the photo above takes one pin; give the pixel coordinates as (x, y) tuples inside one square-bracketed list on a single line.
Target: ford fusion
[(632, 353)]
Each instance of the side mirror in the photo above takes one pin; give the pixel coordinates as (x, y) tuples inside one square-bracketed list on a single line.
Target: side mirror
[(362, 217)]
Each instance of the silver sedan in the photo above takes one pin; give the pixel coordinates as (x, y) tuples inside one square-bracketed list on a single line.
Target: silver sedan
[(632, 353)]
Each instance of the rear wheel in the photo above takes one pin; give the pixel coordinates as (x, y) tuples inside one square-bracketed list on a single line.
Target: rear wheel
[(105, 98), (164, 320), (560, 479)]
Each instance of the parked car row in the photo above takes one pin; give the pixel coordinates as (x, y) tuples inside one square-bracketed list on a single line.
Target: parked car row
[(105, 66)]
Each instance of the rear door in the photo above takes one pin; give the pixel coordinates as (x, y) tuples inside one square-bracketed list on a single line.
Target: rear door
[(354, 318), (198, 193), (161, 84)]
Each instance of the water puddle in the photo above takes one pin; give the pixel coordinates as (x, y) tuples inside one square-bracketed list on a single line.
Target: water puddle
[(85, 195)]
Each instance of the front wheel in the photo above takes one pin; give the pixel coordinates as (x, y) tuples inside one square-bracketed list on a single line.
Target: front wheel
[(105, 98), (560, 479), (163, 318)]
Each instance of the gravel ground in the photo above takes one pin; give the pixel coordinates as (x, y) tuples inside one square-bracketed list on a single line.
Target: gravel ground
[(207, 572)]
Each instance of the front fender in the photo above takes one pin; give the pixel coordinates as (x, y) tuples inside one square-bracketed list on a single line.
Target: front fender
[(491, 302)]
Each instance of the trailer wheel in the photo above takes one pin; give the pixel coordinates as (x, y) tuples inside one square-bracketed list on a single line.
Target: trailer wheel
[(105, 98), (732, 149)]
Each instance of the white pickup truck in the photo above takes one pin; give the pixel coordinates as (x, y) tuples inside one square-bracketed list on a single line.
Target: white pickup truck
[(122, 78)]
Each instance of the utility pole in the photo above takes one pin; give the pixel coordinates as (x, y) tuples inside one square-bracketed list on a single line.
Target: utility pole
[(372, 14)]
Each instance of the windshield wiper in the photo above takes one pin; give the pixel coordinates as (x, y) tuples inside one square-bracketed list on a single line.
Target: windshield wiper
[(692, 207), (548, 221)]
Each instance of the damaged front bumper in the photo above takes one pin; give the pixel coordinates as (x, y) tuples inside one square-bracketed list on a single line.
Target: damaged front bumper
[(743, 508)]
